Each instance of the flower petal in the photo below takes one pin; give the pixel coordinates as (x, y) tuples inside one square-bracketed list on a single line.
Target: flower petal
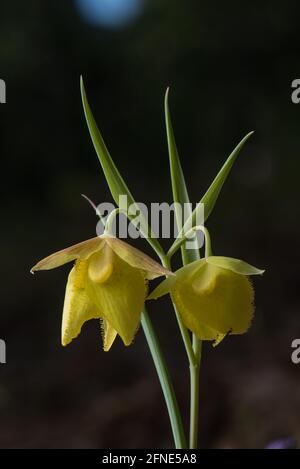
[(78, 251), (162, 289), (219, 339), (108, 334), (217, 298), (101, 265), (236, 265), (78, 308), (188, 271), (184, 273), (136, 258), (120, 299)]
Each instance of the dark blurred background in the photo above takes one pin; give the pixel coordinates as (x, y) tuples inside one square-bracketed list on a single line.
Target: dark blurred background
[(230, 66)]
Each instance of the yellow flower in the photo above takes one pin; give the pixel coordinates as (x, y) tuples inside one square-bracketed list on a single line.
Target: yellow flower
[(214, 296), (108, 281)]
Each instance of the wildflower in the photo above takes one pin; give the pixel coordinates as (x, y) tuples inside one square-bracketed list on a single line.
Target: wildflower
[(109, 282), (214, 296)]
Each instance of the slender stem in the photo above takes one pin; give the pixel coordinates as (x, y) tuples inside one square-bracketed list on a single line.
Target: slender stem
[(95, 208), (152, 241), (188, 257), (194, 389), (110, 220), (186, 338), (165, 382), (183, 330), (185, 237), (195, 370)]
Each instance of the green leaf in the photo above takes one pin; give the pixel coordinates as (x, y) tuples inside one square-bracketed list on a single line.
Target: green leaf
[(179, 189), (114, 179), (180, 193), (210, 197)]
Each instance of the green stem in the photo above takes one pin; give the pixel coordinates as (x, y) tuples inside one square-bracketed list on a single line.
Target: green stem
[(194, 355), (188, 257), (165, 382), (186, 338), (185, 237), (194, 390), (109, 230), (183, 330), (195, 370), (110, 220)]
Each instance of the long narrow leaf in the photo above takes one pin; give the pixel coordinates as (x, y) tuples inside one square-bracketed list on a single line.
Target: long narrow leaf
[(180, 193), (210, 197), (114, 179)]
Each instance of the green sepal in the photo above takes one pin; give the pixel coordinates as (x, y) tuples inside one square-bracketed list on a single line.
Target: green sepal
[(236, 265)]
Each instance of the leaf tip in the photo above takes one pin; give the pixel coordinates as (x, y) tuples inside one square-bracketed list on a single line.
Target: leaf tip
[(82, 88), (167, 95), (249, 134)]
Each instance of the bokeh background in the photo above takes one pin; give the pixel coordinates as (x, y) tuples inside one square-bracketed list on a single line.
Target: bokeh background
[(230, 66)]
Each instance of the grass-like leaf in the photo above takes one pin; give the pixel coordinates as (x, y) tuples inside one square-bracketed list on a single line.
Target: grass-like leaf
[(114, 179), (210, 197), (179, 189)]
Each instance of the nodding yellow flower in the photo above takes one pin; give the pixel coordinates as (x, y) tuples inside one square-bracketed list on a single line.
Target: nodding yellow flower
[(214, 296), (109, 282)]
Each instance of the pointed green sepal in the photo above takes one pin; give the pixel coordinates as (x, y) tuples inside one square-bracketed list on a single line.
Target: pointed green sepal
[(162, 289), (236, 265)]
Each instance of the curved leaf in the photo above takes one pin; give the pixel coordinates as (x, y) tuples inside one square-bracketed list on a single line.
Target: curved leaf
[(179, 189), (114, 179), (210, 197)]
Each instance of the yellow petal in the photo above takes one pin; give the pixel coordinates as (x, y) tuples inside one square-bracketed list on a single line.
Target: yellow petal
[(219, 339), (185, 273), (108, 334), (78, 307), (101, 265), (190, 270), (205, 332), (163, 288), (120, 299), (236, 265), (217, 298), (136, 258), (79, 251)]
